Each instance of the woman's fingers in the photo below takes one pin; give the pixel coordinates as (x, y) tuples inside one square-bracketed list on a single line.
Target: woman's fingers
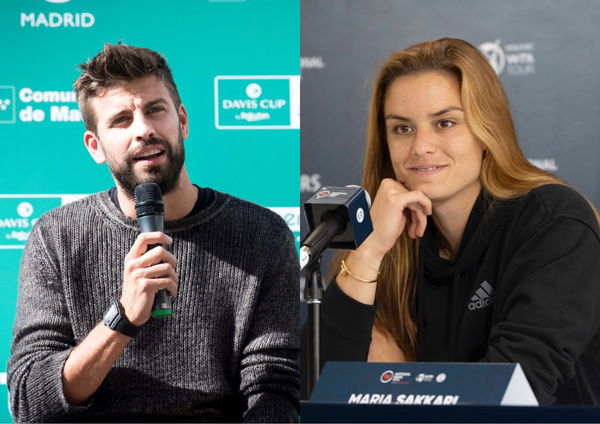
[(392, 206), (418, 216)]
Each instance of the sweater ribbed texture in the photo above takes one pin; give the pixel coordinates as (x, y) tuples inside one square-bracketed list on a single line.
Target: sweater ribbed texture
[(228, 352)]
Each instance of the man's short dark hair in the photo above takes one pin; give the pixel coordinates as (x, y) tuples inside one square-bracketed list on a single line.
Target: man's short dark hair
[(115, 65)]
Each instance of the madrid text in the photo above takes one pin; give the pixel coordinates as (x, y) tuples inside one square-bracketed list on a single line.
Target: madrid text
[(57, 20)]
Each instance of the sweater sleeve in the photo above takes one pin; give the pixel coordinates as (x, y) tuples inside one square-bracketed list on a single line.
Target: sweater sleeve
[(346, 326), (269, 366), (42, 339), (547, 308)]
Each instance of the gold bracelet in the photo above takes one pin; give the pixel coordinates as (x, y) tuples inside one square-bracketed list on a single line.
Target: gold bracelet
[(345, 270)]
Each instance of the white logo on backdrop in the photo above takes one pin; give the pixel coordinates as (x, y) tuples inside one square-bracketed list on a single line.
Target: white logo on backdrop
[(249, 108), (14, 232), (310, 183), (515, 58), (548, 164), (312, 62), (494, 54), (253, 90), (4, 104), (25, 209), (7, 104)]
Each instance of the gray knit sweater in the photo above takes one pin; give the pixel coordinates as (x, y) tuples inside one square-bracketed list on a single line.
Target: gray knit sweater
[(228, 352)]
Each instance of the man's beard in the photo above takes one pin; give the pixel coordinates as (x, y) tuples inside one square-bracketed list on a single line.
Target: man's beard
[(166, 178)]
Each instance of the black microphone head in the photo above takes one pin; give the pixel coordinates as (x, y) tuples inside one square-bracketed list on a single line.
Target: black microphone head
[(351, 206), (148, 200)]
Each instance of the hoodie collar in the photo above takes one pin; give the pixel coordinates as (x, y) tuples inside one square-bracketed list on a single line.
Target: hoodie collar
[(481, 225)]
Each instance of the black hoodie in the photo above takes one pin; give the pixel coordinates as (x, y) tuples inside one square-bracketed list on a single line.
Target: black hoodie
[(524, 287)]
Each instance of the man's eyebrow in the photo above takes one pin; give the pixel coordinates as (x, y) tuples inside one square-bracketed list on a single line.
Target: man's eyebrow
[(146, 106), (154, 102)]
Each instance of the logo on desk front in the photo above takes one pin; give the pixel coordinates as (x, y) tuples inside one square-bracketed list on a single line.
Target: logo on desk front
[(392, 377), (386, 377), (424, 378)]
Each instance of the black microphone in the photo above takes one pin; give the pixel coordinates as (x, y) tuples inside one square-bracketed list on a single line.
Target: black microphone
[(149, 208), (338, 218)]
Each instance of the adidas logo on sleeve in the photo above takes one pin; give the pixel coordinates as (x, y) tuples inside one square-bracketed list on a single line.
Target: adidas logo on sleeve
[(483, 297)]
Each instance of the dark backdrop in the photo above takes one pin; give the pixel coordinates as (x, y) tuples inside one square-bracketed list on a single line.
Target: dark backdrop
[(546, 53)]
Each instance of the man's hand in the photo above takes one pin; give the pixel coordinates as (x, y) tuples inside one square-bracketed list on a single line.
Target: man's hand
[(147, 272)]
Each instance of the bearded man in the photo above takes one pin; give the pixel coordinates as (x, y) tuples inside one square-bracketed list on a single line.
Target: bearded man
[(85, 347)]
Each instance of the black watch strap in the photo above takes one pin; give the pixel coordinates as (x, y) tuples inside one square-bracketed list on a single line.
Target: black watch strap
[(113, 319)]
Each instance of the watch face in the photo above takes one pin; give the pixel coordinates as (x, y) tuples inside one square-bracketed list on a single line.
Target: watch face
[(112, 316), (115, 321)]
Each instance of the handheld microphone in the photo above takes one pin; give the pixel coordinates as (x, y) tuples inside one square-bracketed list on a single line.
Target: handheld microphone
[(339, 218), (149, 208)]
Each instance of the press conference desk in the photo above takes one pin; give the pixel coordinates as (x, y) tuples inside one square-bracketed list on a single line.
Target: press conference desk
[(311, 412)]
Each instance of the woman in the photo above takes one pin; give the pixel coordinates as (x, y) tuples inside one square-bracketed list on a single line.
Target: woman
[(476, 255)]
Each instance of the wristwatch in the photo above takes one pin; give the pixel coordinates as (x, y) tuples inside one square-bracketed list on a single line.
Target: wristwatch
[(114, 320)]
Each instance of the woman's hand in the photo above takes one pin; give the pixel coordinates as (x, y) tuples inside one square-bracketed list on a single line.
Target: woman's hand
[(393, 204), (391, 207)]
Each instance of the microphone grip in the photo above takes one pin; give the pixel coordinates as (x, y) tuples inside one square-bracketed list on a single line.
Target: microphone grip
[(162, 301), (151, 223), (162, 305)]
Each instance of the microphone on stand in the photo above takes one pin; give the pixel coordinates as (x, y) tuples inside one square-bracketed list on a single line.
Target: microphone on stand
[(149, 208), (338, 218)]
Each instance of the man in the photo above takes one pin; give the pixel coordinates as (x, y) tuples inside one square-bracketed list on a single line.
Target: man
[(228, 352)]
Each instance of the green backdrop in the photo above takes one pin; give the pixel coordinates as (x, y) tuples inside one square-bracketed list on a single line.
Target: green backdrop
[(236, 64)]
